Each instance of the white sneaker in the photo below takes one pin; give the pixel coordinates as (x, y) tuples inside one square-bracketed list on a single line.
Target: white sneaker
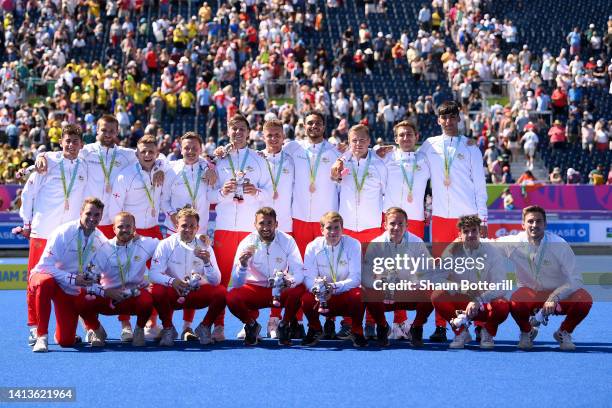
[(41, 345), (565, 340), (218, 334), (273, 327), (97, 337), (32, 337), (138, 338), (534, 333), (241, 334), (152, 333), (167, 338), (203, 333), (461, 339), (398, 331), (486, 340), (525, 341), (126, 334)]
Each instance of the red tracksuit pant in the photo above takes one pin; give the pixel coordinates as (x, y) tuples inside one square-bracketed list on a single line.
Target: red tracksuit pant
[(343, 304), (492, 316), (525, 301), (45, 290), (37, 248), (165, 300), (141, 306), (245, 300), (423, 310)]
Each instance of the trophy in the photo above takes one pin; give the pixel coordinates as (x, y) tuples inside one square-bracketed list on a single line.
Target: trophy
[(125, 294), (193, 283), (322, 292), (540, 318), (462, 320), (279, 281), (91, 274), (391, 277), (241, 180)]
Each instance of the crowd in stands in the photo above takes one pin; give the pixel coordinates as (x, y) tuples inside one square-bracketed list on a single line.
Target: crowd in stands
[(160, 64)]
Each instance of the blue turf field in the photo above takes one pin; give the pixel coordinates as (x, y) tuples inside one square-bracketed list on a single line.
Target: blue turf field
[(331, 374)]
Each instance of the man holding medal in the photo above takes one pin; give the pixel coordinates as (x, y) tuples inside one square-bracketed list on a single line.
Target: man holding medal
[(176, 260), (547, 278), (259, 256), (457, 182), (242, 188), (52, 199), (59, 276), (122, 262), (337, 258), (314, 192), (363, 179)]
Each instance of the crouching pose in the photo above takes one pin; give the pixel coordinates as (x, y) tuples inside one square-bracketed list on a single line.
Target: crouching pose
[(122, 263), (397, 241), (267, 272), (479, 292), (332, 276), (63, 272), (185, 274), (548, 281)]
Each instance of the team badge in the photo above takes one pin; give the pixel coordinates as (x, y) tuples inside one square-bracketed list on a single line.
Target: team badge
[(460, 156), (137, 258), (249, 168), (279, 260), (285, 170), (342, 262), (81, 178), (325, 160)]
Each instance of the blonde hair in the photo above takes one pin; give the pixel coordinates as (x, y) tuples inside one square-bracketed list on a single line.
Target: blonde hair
[(331, 216)]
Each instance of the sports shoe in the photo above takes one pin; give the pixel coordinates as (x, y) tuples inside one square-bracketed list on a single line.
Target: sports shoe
[(127, 334), (525, 341), (273, 327), (152, 333), (138, 339), (241, 334), (203, 334), (97, 337), (284, 333), (359, 340), (329, 329), (486, 340), (370, 331), (312, 337), (41, 345), (344, 333), (167, 337), (382, 335), (400, 331), (439, 335), (565, 340), (32, 337), (296, 329), (252, 333), (461, 339), (189, 335), (218, 334), (477, 331), (534, 333), (416, 336)]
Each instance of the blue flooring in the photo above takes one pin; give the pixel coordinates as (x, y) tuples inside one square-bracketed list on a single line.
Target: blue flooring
[(331, 374)]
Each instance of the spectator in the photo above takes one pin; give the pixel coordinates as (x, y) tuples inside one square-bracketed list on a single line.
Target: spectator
[(557, 137), (573, 177), (596, 176), (526, 179), (555, 176)]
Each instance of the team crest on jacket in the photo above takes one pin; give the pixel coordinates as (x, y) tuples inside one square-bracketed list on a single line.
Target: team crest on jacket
[(81, 178), (324, 159), (249, 168), (137, 258), (279, 260), (460, 156), (285, 170), (342, 262)]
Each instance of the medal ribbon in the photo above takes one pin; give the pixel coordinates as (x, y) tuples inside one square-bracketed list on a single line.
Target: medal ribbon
[(278, 172), (68, 190), (409, 182), (231, 162), (448, 160), (538, 264), (193, 194), (334, 271), (314, 169), (359, 184), (83, 253), (149, 195), (107, 173), (124, 269)]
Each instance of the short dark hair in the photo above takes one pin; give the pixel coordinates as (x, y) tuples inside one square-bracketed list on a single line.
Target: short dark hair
[(95, 201), (72, 129), (448, 108), (238, 117), (534, 209), (109, 119), (266, 212), (191, 136), (468, 221), (315, 113)]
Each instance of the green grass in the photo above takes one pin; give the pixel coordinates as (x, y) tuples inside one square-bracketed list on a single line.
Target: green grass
[(502, 100)]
